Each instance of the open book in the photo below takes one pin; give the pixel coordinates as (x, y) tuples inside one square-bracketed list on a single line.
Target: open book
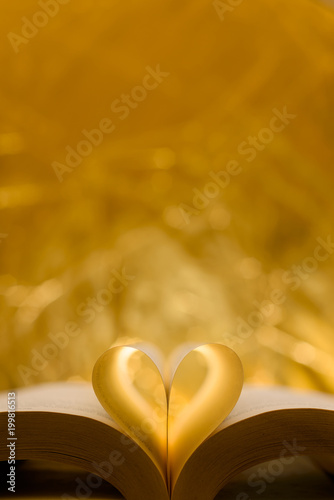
[(156, 435)]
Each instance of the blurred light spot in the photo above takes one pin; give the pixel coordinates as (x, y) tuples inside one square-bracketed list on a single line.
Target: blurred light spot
[(194, 161), (186, 301), (16, 294), (127, 340), (134, 364), (173, 217), (28, 194), (44, 294), (196, 333), (275, 317), (161, 182), (7, 283), (157, 394), (30, 301), (76, 378), (163, 158), (219, 218), (11, 144), (267, 336), (262, 377), (190, 303), (275, 278), (192, 131), (250, 268), (304, 353), (147, 379), (26, 315)]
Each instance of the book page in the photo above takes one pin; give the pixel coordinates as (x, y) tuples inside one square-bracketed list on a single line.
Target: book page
[(65, 422), (205, 387), (256, 400), (129, 386), (175, 359), (61, 397), (255, 431)]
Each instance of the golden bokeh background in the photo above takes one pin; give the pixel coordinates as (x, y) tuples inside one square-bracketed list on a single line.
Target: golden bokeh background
[(122, 209)]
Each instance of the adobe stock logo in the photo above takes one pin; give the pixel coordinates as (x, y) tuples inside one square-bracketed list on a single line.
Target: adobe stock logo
[(268, 473), (294, 278), (88, 310), (250, 148), (222, 7), (121, 108), (105, 469), (30, 27)]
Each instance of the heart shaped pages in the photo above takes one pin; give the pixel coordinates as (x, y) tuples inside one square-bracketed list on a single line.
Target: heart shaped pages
[(130, 387), (203, 387)]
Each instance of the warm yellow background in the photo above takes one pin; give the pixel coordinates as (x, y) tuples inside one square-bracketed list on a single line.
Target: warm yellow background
[(118, 209)]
